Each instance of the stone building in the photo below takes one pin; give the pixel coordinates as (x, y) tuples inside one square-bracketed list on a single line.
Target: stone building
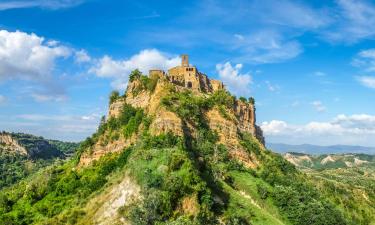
[(188, 76)]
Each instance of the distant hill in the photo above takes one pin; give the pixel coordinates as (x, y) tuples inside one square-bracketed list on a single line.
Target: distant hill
[(318, 150), (330, 161), (23, 154)]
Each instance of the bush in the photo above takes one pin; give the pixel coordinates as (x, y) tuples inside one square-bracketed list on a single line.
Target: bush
[(114, 96), (134, 75)]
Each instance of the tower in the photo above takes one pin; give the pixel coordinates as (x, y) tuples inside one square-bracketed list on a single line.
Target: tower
[(185, 60)]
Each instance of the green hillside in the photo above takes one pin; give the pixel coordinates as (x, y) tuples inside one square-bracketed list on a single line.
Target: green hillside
[(39, 152), (193, 178)]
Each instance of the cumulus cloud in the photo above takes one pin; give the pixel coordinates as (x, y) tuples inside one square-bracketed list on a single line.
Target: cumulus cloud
[(48, 4), (236, 82), (82, 56), (318, 106), (367, 81), (343, 129), (30, 58), (274, 127), (119, 70), (27, 56)]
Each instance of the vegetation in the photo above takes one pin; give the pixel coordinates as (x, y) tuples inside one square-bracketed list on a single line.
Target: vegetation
[(146, 83), (347, 180), (41, 153), (188, 179), (114, 96)]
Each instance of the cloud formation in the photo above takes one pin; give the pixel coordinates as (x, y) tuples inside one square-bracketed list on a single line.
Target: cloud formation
[(236, 82), (119, 70), (367, 81), (57, 126), (269, 47), (47, 4), (343, 129), (28, 56), (355, 21)]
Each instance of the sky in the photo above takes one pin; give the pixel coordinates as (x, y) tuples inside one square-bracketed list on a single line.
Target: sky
[(310, 65)]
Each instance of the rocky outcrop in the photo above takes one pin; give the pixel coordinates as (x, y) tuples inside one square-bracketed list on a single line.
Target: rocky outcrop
[(11, 145), (28, 145), (242, 115)]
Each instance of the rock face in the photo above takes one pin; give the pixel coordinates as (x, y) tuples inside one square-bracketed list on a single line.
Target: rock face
[(9, 144), (28, 145), (182, 78)]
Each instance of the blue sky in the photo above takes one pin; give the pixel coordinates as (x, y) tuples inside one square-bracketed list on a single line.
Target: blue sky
[(309, 64)]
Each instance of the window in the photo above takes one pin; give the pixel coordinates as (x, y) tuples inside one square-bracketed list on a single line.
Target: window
[(189, 84)]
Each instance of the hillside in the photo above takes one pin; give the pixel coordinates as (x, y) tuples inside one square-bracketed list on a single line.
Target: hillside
[(319, 150), (176, 148), (23, 154), (346, 179), (330, 161)]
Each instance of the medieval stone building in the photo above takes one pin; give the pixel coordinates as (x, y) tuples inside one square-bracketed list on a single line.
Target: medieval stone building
[(188, 76)]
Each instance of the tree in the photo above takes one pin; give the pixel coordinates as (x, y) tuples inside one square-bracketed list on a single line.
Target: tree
[(243, 99), (114, 96), (252, 100), (135, 74)]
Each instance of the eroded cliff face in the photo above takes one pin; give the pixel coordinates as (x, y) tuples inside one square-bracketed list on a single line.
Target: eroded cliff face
[(241, 119), (28, 145), (11, 145)]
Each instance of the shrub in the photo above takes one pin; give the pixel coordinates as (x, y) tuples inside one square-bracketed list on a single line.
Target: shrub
[(114, 96), (134, 75), (243, 99)]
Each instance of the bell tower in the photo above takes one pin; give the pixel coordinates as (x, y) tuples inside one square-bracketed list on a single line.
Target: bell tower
[(184, 60)]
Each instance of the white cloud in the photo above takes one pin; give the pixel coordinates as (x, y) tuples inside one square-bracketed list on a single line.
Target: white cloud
[(354, 21), (56, 126), (365, 59), (274, 127), (236, 82), (367, 81), (48, 97), (267, 46), (358, 129), (318, 106), (119, 70), (293, 14), (27, 56), (82, 56), (48, 4)]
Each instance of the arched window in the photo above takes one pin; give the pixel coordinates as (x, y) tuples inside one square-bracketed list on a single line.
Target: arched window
[(189, 84)]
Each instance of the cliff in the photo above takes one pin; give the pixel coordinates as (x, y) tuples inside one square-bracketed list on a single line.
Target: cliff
[(230, 120), (27, 145)]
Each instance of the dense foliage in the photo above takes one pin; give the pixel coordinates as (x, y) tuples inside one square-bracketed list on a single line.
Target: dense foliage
[(42, 152)]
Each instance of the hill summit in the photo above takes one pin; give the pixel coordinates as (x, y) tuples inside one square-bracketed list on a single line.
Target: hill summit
[(157, 93)]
